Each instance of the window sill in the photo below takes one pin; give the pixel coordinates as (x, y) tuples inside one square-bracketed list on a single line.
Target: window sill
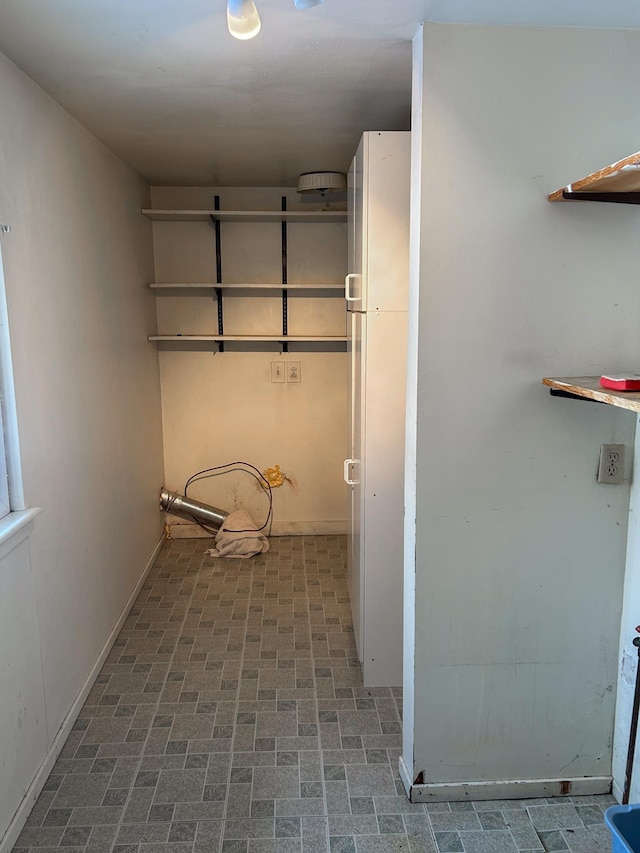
[(15, 527)]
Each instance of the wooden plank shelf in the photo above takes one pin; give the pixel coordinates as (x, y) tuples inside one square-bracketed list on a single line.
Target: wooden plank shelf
[(256, 286), (246, 215), (589, 388), (286, 339), (618, 183)]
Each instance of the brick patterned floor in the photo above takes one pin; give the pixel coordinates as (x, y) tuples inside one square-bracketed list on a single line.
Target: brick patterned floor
[(230, 717)]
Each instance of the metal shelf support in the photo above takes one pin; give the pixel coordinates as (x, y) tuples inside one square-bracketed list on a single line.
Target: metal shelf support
[(216, 228), (569, 396), (285, 297), (610, 197)]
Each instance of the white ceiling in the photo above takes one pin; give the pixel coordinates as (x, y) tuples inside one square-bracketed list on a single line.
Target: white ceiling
[(164, 86)]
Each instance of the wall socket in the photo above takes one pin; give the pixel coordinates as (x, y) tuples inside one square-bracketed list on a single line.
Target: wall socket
[(611, 465), (293, 371)]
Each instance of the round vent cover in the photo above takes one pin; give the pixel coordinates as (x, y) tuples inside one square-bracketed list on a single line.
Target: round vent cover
[(322, 182)]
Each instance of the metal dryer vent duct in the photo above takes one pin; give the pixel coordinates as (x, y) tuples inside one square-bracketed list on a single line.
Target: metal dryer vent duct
[(186, 507)]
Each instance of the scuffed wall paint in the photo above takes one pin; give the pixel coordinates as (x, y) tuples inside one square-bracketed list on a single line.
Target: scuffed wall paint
[(628, 661), (519, 552)]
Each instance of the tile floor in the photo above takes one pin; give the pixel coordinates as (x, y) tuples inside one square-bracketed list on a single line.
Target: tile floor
[(230, 718)]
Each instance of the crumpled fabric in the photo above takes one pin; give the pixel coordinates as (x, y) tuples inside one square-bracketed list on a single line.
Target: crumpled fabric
[(238, 537)]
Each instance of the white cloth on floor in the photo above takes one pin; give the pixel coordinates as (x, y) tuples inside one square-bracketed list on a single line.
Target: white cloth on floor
[(238, 537)]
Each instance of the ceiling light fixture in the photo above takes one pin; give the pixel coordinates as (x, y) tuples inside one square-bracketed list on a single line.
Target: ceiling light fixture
[(306, 4), (243, 19), (322, 182)]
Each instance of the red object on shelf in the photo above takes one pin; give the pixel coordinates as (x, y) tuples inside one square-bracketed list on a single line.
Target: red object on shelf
[(621, 382)]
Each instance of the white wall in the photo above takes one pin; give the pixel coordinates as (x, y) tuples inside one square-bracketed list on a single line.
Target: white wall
[(410, 442), (223, 408), (519, 553), (87, 388), (22, 703), (628, 660)]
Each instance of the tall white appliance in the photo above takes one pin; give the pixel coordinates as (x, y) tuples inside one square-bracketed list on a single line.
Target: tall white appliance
[(376, 290)]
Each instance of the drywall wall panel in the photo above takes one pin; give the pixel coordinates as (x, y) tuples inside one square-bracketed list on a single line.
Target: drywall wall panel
[(22, 710), (77, 260), (628, 656), (519, 552), (413, 331), (220, 408)]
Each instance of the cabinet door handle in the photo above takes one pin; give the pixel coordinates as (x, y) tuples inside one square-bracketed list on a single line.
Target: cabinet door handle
[(347, 291), (347, 463)]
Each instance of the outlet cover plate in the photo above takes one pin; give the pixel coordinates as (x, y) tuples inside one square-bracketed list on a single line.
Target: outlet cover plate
[(294, 371), (277, 371), (611, 464)]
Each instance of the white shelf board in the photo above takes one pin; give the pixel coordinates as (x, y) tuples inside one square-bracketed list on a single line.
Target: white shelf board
[(255, 286), (247, 215), (254, 338)]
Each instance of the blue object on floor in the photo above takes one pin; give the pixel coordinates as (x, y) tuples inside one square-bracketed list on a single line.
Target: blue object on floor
[(624, 823)]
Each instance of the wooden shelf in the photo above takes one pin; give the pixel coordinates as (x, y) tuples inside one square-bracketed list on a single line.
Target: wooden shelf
[(247, 215), (619, 182), (286, 339), (211, 286), (589, 388)]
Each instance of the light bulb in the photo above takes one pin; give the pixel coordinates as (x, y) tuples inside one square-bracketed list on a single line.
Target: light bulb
[(306, 4), (243, 19)]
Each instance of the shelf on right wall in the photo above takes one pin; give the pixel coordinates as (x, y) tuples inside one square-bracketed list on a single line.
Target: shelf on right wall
[(618, 183), (589, 388)]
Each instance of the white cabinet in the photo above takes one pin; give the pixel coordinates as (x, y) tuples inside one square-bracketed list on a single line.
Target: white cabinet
[(378, 223), (375, 568), (377, 285)]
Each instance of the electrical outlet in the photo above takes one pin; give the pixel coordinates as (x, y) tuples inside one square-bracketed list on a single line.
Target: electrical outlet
[(293, 371), (277, 371), (611, 465)]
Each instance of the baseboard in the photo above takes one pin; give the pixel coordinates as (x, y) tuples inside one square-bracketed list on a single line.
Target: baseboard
[(510, 789), (617, 792), (33, 792), (188, 530), (405, 776), (309, 528)]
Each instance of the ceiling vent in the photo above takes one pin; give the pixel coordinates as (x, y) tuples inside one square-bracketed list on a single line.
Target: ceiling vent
[(322, 182)]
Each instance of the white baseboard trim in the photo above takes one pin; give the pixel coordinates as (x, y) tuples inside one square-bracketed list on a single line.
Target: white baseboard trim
[(309, 528), (617, 792), (33, 792), (185, 530), (188, 530), (509, 789), (405, 776)]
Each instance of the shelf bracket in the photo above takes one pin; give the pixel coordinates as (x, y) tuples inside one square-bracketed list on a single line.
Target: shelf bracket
[(285, 297), (216, 228), (611, 198), (556, 392)]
